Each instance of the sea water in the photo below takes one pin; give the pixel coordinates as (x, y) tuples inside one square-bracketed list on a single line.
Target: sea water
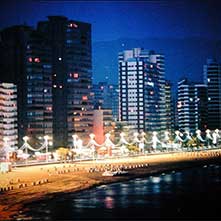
[(186, 194)]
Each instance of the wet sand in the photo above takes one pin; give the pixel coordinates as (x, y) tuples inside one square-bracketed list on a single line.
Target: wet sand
[(35, 183)]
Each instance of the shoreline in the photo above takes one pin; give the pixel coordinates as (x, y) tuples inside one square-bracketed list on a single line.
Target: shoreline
[(15, 202)]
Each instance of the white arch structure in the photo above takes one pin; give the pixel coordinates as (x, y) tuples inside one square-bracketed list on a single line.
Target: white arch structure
[(140, 141), (92, 147)]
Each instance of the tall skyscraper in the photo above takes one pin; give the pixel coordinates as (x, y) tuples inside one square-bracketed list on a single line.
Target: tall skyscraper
[(8, 116), (70, 42), (192, 106), (106, 96), (25, 61), (52, 68), (212, 78), (142, 89)]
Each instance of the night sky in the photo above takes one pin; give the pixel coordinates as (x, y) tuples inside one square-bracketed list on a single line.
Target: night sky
[(115, 20)]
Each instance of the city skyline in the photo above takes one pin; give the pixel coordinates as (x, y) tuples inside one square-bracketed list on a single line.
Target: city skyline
[(54, 70)]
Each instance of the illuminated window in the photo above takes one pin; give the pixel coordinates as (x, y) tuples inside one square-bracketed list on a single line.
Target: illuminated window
[(69, 41), (179, 104), (49, 108), (84, 98), (75, 75), (73, 25), (37, 60)]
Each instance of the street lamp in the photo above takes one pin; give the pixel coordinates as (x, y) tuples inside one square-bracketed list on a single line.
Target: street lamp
[(25, 138), (6, 139), (46, 138), (107, 135), (74, 136), (93, 148), (92, 136)]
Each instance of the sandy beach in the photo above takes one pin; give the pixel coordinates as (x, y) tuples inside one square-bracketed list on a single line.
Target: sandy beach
[(27, 184)]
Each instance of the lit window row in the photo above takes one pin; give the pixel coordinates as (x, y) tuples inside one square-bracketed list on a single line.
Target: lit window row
[(57, 86), (36, 60)]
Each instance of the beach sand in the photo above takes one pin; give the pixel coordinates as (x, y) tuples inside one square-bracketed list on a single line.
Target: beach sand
[(34, 183)]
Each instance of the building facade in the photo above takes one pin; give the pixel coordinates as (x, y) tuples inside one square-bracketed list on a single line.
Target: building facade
[(38, 89), (70, 42), (25, 57), (169, 107), (51, 67), (8, 116), (142, 89), (192, 106), (212, 78)]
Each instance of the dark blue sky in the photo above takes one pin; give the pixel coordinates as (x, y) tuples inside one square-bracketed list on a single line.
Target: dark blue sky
[(113, 22), (116, 19)]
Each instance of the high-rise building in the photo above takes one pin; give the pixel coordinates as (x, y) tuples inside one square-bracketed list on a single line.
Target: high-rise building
[(142, 89), (106, 96), (51, 67), (192, 106), (212, 78), (39, 87), (25, 57), (8, 116), (169, 107), (70, 42)]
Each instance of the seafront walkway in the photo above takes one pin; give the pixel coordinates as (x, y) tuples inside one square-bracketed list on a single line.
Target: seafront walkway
[(30, 183)]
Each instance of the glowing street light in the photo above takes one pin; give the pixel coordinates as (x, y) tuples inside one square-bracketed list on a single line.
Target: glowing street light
[(143, 134), (74, 136), (92, 136), (122, 134), (25, 138), (6, 139), (46, 138), (93, 148)]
